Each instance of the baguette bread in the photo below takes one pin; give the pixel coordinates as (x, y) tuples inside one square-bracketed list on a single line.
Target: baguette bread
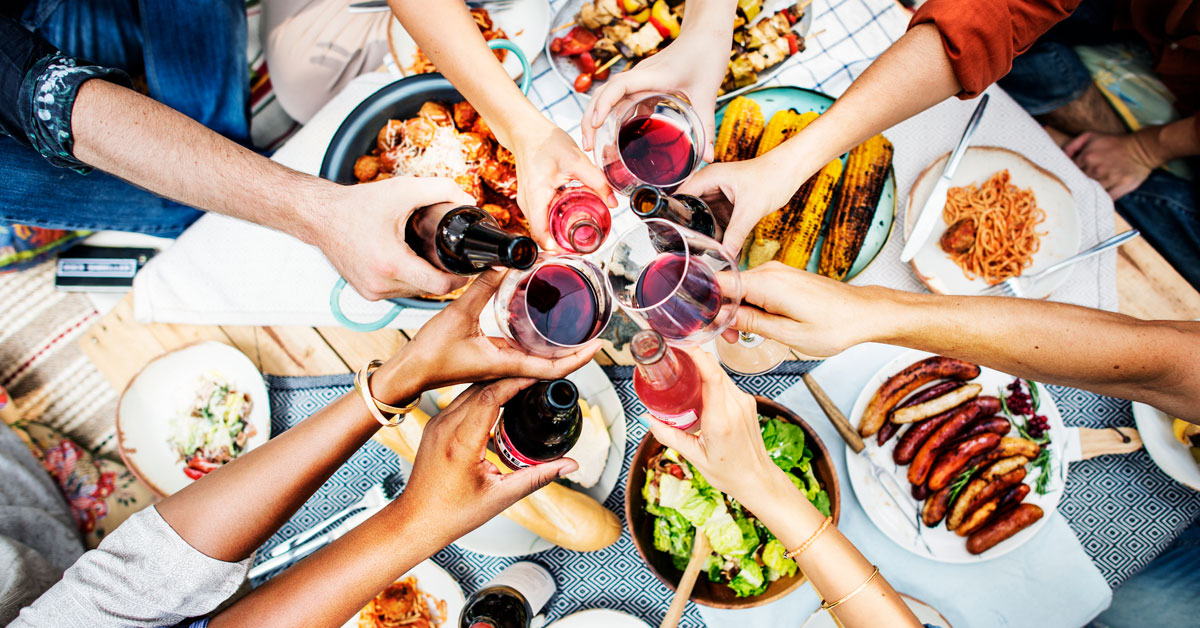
[(563, 516)]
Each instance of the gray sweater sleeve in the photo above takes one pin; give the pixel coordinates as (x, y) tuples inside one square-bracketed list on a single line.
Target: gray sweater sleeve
[(142, 575)]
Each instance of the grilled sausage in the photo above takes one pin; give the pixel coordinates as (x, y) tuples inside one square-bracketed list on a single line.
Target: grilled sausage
[(995, 424), (1012, 446), (1004, 466), (919, 491), (910, 442), (934, 509), (889, 428), (960, 418), (954, 460), (1003, 527), (959, 237), (977, 516), (1001, 485), (952, 399), (958, 509), (1013, 497), (900, 385)]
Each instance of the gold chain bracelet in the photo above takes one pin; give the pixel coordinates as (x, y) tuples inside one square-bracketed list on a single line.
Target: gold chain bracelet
[(829, 607)]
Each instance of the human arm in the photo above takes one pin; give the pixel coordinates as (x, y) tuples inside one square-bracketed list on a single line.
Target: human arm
[(729, 452), (694, 65), (1112, 354), (546, 156), (1121, 163)]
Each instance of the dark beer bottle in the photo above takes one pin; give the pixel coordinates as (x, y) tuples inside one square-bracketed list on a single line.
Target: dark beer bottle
[(511, 599), (681, 209), (540, 424), (466, 240)]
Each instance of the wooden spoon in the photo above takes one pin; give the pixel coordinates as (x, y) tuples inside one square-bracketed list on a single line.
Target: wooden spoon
[(700, 551)]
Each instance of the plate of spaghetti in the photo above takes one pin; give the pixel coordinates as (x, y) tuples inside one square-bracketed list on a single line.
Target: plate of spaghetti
[(425, 597), (1004, 216)]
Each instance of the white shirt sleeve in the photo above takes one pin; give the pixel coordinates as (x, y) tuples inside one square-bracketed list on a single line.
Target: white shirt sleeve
[(142, 575)]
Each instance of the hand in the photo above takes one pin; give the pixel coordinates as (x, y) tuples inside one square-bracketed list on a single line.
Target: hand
[(729, 450), (752, 194), (451, 483), (690, 66), (547, 158), (1120, 163), (452, 349), (815, 315), (361, 232)]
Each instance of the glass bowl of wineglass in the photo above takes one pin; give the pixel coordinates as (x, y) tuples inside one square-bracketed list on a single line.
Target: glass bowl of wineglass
[(685, 286), (656, 140), (554, 307)]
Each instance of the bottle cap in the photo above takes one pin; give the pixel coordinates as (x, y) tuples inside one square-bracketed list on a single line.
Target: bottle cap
[(561, 394), (647, 346)]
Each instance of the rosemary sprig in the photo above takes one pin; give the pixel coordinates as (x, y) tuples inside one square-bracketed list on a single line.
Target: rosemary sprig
[(960, 482), (1035, 398), (1042, 462)]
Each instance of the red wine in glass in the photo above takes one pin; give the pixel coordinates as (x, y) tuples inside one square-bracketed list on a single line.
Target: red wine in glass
[(579, 219), (667, 381), (556, 303), (682, 295), (655, 150)]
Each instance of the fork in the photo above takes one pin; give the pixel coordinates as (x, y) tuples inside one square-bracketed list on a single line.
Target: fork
[(1017, 286), (374, 6)]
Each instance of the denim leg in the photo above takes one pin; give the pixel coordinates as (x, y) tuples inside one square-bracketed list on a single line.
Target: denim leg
[(1164, 208), (42, 195), (1048, 76), (105, 33), (1165, 593)]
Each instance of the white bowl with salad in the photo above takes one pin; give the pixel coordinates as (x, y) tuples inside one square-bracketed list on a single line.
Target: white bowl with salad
[(190, 411), (666, 499)]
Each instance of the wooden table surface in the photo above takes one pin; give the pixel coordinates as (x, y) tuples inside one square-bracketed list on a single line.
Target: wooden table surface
[(119, 346)]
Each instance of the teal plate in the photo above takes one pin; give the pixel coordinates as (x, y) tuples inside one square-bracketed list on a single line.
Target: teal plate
[(773, 99)]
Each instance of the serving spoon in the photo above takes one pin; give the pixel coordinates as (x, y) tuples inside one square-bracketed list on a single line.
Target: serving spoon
[(700, 551)]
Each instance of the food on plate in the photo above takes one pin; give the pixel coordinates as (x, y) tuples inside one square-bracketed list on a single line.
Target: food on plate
[(909, 380), (937, 405), (607, 32), (214, 429), (745, 556), (962, 461), (563, 516), (867, 167), (403, 605), (993, 228), (1189, 435), (421, 63), (815, 197), (1003, 527)]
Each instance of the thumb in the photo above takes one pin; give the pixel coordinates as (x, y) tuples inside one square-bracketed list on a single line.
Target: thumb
[(517, 485), (584, 171), (425, 191), (707, 114), (414, 271), (740, 225), (677, 439)]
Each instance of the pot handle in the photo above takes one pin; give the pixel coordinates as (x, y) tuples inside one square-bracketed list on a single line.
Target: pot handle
[(335, 305), (526, 69)]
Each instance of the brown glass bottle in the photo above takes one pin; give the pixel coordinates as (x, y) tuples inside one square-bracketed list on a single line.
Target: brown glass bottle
[(540, 424), (681, 209), (511, 599), (466, 240)]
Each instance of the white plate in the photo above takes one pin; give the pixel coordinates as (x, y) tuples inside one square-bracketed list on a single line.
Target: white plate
[(436, 582), (599, 618), (934, 267), (947, 546), (924, 612), (502, 536), (525, 22), (165, 388), (1165, 450), (565, 68)]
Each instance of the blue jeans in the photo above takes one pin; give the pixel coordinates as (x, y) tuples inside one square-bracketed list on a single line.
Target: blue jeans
[(193, 57), (1165, 593)]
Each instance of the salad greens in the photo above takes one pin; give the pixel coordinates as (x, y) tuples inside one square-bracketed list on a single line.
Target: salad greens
[(746, 556)]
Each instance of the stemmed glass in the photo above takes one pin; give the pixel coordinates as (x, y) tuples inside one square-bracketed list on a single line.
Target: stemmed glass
[(654, 141), (555, 306), (666, 277)]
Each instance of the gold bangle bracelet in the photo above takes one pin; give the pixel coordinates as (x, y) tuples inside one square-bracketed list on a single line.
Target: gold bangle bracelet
[(377, 408), (806, 544), (829, 607)]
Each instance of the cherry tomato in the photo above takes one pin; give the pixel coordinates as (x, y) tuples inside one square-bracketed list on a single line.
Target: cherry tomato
[(193, 473), (556, 46), (675, 470), (585, 63), (602, 75), (583, 82), (793, 46)]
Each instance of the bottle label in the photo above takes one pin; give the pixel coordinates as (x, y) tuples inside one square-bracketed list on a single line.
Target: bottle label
[(531, 579), (681, 421), (508, 453)]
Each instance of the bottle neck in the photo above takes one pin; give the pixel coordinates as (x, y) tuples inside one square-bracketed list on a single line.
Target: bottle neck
[(683, 210), (468, 241), (663, 373), (554, 400)]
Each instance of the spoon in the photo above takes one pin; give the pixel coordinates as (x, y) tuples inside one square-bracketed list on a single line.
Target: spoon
[(700, 551)]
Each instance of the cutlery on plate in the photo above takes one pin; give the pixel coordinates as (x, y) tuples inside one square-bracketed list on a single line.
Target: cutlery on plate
[(928, 216), (375, 6), (377, 495), (700, 551), (1018, 286), (886, 480), (304, 549)]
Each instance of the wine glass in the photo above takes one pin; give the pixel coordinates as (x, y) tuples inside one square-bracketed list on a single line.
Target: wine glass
[(655, 140), (665, 277), (554, 307)]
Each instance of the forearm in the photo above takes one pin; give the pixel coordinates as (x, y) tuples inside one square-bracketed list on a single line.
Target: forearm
[(328, 587), (1170, 141), (155, 147), (710, 21), (448, 35), (1107, 353), (236, 508)]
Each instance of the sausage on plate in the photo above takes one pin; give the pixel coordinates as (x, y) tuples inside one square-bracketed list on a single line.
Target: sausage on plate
[(934, 509), (954, 459), (1004, 466), (1013, 446), (890, 428), (962, 417), (1013, 497), (995, 424), (958, 509), (1003, 527), (902, 384), (950, 400)]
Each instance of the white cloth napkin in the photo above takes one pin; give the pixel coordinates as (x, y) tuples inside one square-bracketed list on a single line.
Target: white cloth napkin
[(1049, 582)]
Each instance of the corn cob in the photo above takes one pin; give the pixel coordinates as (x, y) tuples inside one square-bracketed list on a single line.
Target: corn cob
[(806, 225), (740, 130), (866, 171), (771, 231), (782, 126)]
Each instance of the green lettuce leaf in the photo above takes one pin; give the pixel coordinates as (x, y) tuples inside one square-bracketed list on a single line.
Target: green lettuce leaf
[(777, 566), (784, 442), (712, 567), (750, 538), (683, 496), (724, 533), (821, 501), (749, 580)]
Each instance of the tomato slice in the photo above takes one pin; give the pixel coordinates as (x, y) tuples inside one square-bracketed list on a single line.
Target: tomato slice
[(793, 46), (194, 474), (675, 470)]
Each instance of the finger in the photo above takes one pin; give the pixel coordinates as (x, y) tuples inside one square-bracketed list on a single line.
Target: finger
[(593, 117), (677, 439), (422, 278), (517, 485), (485, 399), (755, 321), (472, 301), (425, 191), (1076, 144), (537, 209), (710, 134), (612, 92), (543, 368), (1121, 190), (584, 171), (730, 335)]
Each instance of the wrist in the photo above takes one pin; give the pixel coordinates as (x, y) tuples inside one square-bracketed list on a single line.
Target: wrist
[(308, 205), (401, 379), (521, 127), (890, 316)]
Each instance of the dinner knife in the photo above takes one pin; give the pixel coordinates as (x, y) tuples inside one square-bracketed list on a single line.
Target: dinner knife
[(928, 216), (304, 549)]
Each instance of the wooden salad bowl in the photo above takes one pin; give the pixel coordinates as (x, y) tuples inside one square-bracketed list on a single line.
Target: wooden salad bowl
[(713, 594)]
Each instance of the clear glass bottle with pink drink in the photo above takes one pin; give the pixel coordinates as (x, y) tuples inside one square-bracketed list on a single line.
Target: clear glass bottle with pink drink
[(667, 381), (579, 219)]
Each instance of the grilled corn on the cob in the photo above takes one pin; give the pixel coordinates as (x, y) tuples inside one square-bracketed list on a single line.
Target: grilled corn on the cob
[(782, 126), (802, 236), (866, 171), (740, 130), (771, 231)]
